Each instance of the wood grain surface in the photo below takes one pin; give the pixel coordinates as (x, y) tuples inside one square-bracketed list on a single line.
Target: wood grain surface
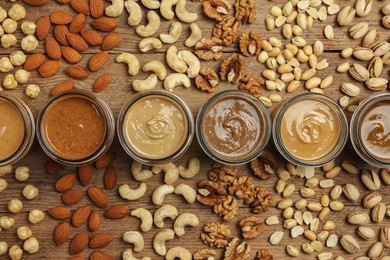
[(120, 91)]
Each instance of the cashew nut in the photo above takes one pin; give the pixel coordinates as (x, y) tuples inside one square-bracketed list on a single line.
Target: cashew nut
[(151, 4), (132, 194), (185, 219), (135, 238), (193, 169), (170, 170), (192, 62), (196, 35), (128, 255), (140, 174), (131, 61), (187, 191), (176, 79), (173, 60), (183, 14), (166, 9), (135, 12), (115, 9), (145, 216), (156, 67), (152, 26), (165, 211), (175, 31), (159, 240), (146, 84), (178, 252), (160, 192), (148, 44)]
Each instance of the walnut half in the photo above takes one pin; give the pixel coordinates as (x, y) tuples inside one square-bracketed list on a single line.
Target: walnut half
[(209, 48), (253, 84), (216, 9), (232, 68), (207, 80), (236, 250), (227, 30), (250, 44), (211, 193), (251, 226), (227, 209), (215, 234), (263, 254), (246, 10), (261, 200)]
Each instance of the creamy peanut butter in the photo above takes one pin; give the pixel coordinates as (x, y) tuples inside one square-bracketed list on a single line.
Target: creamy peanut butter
[(310, 129), (155, 127)]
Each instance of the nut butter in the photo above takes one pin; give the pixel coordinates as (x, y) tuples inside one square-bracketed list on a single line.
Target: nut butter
[(233, 127)]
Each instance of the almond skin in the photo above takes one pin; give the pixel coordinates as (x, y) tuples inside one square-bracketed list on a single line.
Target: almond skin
[(110, 178), (59, 213), (62, 2), (80, 216), (62, 86), (60, 32), (97, 8), (43, 27), (111, 40), (100, 255), (117, 212), (97, 60), (105, 24), (100, 240), (53, 49), (72, 197), (61, 233), (92, 37), (70, 54), (79, 243), (78, 23), (52, 166), (102, 83), (76, 257), (34, 61), (77, 42), (65, 182), (94, 221), (80, 6), (98, 197), (61, 18), (105, 160), (49, 68), (77, 72), (85, 174), (35, 2)]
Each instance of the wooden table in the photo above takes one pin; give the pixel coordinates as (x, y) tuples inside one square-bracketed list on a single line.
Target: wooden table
[(120, 91)]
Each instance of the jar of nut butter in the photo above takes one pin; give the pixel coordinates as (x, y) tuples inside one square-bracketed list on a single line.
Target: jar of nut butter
[(17, 129), (75, 127), (370, 130)]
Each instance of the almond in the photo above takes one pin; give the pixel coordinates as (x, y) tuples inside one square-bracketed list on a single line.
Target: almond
[(65, 182), (97, 60), (62, 86), (97, 8), (85, 174), (94, 221), (80, 216), (61, 233), (92, 37), (100, 240), (105, 160), (110, 178), (77, 72), (76, 257), (60, 33), (52, 166), (78, 23), (72, 197), (62, 2), (35, 2), (34, 61), (49, 68), (70, 54), (43, 27), (100, 255), (98, 197), (53, 49), (101, 83), (111, 40), (77, 42), (61, 18), (105, 24), (59, 213), (80, 6), (117, 212), (79, 243)]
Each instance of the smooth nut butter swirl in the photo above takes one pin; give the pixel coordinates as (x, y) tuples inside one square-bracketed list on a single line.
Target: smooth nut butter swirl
[(159, 127), (310, 129)]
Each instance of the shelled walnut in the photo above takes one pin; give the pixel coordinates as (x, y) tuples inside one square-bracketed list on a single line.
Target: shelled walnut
[(250, 44), (209, 49), (258, 169), (243, 187), (207, 80), (261, 200), (251, 226), (263, 254), (245, 10), (204, 254), (227, 209), (236, 250), (252, 84), (227, 30), (224, 174), (211, 193), (216, 9), (215, 234), (232, 68), (264, 165)]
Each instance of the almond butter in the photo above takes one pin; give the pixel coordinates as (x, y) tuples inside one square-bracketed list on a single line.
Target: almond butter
[(100, 255), (94, 221), (80, 216), (105, 24), (35, 2), (105, 160), (53, 49), (52, 166), (65, 182), (101, 83), (70, 54), (78, 23), (85, 174), (62, 86), (59, 213), (117, 212), (110, 178), (79, 243), (80, 6), (100, 240), (72, 196), (49, 68), (60, 33), (97, 60), (92, 37), (43, 27), (97, 8), (77, 72), (61, 17), (34, 61), (61, 233), (77, 42), (98, 197), (111, 40)]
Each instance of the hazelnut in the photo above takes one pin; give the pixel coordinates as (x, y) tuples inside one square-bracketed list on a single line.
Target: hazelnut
[(15, 252), (3, 14), (9, 82), (17, 58), (17, 12), (15, 206), (22, 173), (9, 25), (30, 192), (3, 184), (22, 76), (3, 248), (6, 222), (29, 43), (28, 28), (6, 65), (32, 91), (24, 232), (31, 245), (35, 216), (4, 170), (1, 31), (8, 40)]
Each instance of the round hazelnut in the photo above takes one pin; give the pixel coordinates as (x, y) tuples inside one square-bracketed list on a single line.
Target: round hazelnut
[(22, 173), (3, 248), (9, 82), (3, 14), (29, 43), (30, 192), (3, 184), (1, 31), (6, 65), (31, 245), (17, 58), (35, 216), (9, 25), (28, 28), (8, 40), (15, 252), (15, 206), (33, 91), (22, 76), (6, 222), (24, 232), (17, 12), (4, 170)]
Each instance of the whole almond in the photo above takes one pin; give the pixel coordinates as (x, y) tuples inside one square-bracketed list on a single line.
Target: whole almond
[(94, 221), (97, 60), (111, 40), (98, 197), (101, 83), (80, 6), (117, 212), (61, 233), (105, 160), (35, 2), (34, 61), (52, 166), (60, 33), (105, 24), (76, 257), (77, 42), (43, 27), (61, 18), (49, 68), (97, 8), (78, 23), (53, 49), (72, 196), (100, 240), (62, 86), (59, 213), (100, 255), (79, 243), (92, 37), (70, 54), (80, 216), (63, 2), (85, 174), (65, 182), (110, 178), (77, 72)]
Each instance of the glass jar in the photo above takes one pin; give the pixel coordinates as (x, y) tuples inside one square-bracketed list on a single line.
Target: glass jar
[(370, 130), (75, 127), (17, 129), (309, 129), (155, 127), (233, 127)]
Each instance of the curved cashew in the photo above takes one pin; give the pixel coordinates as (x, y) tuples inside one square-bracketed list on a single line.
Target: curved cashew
[(128, 255), (152, 26), (165, 211), (185, 219), (135, 238), (135, 12), (170, 170), (145, 216), (193, 169), (132, 194), (146, 84), (175, 31), (151, 4), (176, 79), (160, 192), (166, 9), (159, 240), (178, 252), (115, 9), (131, 61), (140, 174), (187, 191), (173, 60), (148, 44), (183, 14), (196, 35), (192, 62), (156, 67)]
